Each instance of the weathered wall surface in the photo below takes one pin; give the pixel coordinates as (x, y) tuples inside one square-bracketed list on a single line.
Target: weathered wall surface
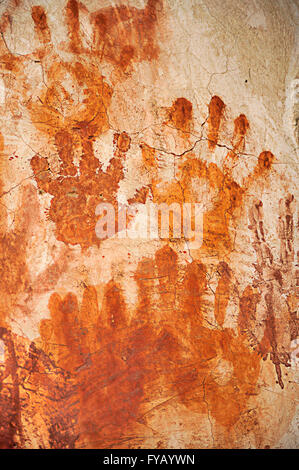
[(155, 343)]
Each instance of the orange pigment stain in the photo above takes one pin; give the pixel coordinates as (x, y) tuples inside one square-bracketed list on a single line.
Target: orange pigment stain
[(116, 369), (41, 24), (100, 365), (265, 161), (10, 425), (222, 294), (123, 141), (124, 34), (180, 115), (216, 109), (72, 19), (73, 128), (240, 129)]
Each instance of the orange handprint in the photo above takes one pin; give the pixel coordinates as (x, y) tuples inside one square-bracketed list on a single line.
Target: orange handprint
[(72, 106)]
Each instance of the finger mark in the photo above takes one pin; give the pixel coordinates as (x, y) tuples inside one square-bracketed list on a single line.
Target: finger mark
[(72, 18), (240, 131), (40, 24), (216, 109)]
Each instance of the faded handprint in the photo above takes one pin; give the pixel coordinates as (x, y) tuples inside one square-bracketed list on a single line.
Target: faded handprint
[(19, 283), (108, 366), (271, 320), (71, 107), (74, 104), (277, 281), (188, 176)]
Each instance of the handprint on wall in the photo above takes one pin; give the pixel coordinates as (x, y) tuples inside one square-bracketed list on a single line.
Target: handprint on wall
[(180, 336), (119, 367), (72, 109), (276, 285)]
